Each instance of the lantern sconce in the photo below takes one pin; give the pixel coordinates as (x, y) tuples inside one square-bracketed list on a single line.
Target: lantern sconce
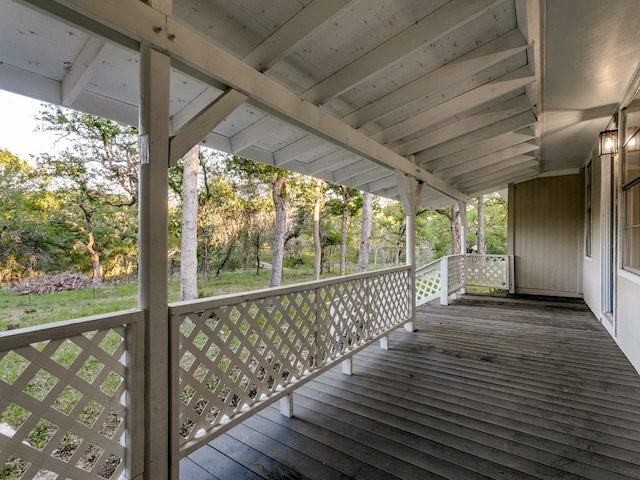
[(608, 142)]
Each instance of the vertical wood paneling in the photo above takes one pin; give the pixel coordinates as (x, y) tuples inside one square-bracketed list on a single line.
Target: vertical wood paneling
[(546, 224)]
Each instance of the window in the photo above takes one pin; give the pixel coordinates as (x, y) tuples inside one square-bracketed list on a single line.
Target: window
[(588, 233), (631, 189)]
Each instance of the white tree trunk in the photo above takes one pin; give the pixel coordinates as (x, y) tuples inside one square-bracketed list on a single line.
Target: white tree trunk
[(365, 231), (279, 230), (317, 245), (456, 229), (189, 242), (343, 238), (481, 243)]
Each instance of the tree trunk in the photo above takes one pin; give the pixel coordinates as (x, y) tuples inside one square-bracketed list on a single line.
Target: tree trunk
[(189, 239), (456, 229), (279, 230), (91, 241), (343, 237), (481, 244), (317, 245), (365, 232), (95, 258)]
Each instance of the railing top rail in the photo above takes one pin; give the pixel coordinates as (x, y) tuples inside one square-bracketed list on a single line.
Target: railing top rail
[(188, 306), (67, 328)]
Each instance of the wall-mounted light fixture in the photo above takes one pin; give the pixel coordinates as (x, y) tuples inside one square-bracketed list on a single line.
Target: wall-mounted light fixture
[(608, 142)]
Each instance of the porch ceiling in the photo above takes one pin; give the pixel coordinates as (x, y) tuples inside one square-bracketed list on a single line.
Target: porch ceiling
[(464, 95)]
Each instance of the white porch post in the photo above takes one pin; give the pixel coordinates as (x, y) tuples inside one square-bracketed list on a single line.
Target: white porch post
[(462, 207), (152, 269), (410, 192)]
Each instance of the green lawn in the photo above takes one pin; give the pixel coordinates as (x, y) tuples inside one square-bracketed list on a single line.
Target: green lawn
[(28, 310)]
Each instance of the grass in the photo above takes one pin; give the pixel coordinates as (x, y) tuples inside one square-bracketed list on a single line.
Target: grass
[(29, 310)]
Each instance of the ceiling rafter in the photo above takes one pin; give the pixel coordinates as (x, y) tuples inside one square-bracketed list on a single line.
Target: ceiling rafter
[(254, 132), (279, 44), (432, 27), (489, 159), (203, 122), (514, 164), (481, 58), (449, 109), (488, 147), (459, 128), (477, 137), (82, 70)]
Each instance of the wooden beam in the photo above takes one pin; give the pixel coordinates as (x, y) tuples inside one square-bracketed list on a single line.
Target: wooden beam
[(281, 42), (254, 132), (500, 167), (142, 23), (160, 421), (481, 58), (489, 147), (205, 121), (462, 103), (462, 127), (82, 69), (431, 28), (504, 127), (489, 159)]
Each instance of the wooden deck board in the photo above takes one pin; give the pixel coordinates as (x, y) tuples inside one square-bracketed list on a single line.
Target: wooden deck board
[(485, 388)]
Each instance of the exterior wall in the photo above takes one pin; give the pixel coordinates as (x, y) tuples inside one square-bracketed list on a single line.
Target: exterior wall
[(592, 267), (547, 235), (627, 333), (626, 328)]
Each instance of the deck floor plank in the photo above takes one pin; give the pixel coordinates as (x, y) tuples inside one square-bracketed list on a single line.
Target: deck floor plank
[(487, 387)]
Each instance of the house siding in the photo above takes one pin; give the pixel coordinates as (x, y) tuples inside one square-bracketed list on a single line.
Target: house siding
[(547, 234)]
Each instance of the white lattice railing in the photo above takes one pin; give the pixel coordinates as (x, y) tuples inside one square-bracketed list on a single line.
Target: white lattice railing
[(236, 354), (68, 396), (461, 271)]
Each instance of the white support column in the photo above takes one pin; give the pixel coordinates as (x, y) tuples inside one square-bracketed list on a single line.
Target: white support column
[(411, 193), (384, 342), (347, 366), (462, 206), (286, 405), (152, 290), (444, 281)]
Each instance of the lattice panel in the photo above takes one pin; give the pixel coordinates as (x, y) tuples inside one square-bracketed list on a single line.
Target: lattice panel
[(235, 355), (487, 271), (456, 273), (61, 409), (428, 283)]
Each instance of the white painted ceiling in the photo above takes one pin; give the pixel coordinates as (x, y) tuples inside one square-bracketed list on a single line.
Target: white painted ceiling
[(478, 93)]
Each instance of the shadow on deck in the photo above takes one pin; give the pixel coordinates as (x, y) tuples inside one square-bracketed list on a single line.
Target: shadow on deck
[(488, 387)]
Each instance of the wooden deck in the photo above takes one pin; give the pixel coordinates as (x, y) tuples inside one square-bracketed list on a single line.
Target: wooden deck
[(485, 388)]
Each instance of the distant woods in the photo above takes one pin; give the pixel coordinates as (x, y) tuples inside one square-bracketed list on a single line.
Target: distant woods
[(76, 211)]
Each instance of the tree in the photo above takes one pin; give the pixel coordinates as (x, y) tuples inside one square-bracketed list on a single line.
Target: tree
[(365, 232), (276, 179), (317, 246), (189, 238), (481, 245), (345, 204), (98, 174)]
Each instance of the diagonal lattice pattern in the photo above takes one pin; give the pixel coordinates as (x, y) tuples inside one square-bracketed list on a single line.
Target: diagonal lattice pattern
[(487, 271), (237, 353), (62, 407), (428, 283), (456, 272)]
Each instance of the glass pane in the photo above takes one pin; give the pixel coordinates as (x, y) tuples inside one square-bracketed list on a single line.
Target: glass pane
[(632, 228), (631, 168)]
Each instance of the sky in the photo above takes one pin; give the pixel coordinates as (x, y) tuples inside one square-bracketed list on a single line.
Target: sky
[(18, 125)]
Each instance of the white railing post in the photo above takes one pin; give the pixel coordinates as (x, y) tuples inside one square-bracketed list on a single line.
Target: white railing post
[(444, 281), (286, 405), (135, 400), (347, 366), (511, 274)]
